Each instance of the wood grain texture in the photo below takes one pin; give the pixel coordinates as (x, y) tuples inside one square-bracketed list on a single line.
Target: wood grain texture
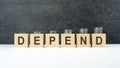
[(40, 40), (52, 44), (78, 40), (103, 36), (25, 36), (71, 40)]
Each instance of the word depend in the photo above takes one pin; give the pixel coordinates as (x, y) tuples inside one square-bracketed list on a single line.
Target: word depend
[(56, 40)]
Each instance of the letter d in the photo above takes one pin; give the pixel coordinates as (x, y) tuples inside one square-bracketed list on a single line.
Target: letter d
[(98, 40), (21, 40)]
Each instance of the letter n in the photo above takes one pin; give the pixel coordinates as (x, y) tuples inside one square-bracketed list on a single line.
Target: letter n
[(83, 40)]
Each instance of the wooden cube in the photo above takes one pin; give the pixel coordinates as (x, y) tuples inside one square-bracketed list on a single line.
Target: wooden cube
[(68, 40), (21, 40), (98, 40), (83, 40), (52, 40), (36, 40)]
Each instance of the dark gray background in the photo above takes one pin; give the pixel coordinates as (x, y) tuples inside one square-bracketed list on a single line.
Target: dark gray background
[(44, 15)]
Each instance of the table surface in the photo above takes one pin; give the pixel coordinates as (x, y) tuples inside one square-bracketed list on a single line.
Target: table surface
[(108, 57)]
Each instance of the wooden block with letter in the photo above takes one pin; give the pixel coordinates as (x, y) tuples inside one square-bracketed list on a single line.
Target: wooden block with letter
[(36, 40), (21, 40), (83, 40), (52, 40), (68, 40), (98, 40)]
